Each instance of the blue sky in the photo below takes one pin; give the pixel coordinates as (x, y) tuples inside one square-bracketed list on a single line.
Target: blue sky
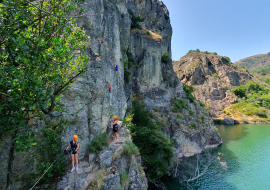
[(233, 28)]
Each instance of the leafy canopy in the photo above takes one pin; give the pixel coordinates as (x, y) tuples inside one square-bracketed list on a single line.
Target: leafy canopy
[(189, 90), (41, 55), (155, 149), (255, 100)]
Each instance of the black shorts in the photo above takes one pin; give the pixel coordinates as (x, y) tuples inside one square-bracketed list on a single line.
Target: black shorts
[(74, 152), (115, 129)]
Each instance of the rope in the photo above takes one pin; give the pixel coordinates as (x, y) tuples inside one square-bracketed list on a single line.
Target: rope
[(45, 172)]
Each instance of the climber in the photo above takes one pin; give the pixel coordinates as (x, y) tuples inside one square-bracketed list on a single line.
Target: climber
[(110, 87), (116, 68), (74, 151), (115, 128)]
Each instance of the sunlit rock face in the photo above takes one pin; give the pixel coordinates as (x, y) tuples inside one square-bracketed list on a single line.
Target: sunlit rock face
[(213, 76)]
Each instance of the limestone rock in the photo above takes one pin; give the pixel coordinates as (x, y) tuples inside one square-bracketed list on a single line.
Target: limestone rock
[(213, 76), (105, 159), (228, 121), (92, 156)]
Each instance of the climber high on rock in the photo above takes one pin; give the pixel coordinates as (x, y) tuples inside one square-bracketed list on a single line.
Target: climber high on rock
[(116, 68), (74, 151), (110, 87)]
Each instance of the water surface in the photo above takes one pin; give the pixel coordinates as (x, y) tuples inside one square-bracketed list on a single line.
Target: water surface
[(242, 162)]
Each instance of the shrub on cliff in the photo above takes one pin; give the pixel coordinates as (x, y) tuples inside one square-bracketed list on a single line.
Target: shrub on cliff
[(239, 92), (192, 51), (215, 75), (165, 58), (155, 149), (124, 179), (98, 143), (134, 20), (52, 136), (130, 149), (189, 90), (178, 105)]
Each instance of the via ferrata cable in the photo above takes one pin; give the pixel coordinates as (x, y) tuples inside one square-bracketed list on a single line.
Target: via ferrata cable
[(45, 172)]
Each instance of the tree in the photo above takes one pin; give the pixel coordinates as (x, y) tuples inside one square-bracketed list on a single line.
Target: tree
[(155, 149), (189, 170), (41, 56)]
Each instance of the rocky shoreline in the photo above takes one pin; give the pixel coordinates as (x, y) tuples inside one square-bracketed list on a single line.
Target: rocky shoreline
[(235, 122)]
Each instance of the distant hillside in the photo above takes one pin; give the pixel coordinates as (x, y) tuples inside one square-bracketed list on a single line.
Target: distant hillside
[(259, 64), (213, 77)]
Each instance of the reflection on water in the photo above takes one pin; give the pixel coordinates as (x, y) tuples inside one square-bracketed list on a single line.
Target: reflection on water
[(241, 162)]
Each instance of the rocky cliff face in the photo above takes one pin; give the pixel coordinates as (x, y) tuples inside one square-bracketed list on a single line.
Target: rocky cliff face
[(89, 105), (213, 76)]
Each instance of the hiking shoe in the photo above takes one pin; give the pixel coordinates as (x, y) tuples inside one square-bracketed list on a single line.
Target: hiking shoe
[(77, 168), (72, 169)]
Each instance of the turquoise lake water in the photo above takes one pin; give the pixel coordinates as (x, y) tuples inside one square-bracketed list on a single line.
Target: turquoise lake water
[(242, 162)]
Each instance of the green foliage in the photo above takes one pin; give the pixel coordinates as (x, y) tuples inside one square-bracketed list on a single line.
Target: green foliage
[(249, 113), (128, 63), (251, 87), (148, 33), (122, 15), (165, 58), (224, 111), (262, 70), (193, 125), (138, 31), (179, 105), (166, 16), (124, 179), (130, 149), (256, 99), (50, 136), (155, 149), (192, 51), (37, 61), (191, 113), (202, 118), (215, 53), (259, 64), (240, 91), (267, 80), (242, 67), (134, 20), (100, 176), (210, 63), (176, 122), (202, 104), (161, 124), (215, 75), (98, 143), (249, 107), (189, 89), (228, 59)]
